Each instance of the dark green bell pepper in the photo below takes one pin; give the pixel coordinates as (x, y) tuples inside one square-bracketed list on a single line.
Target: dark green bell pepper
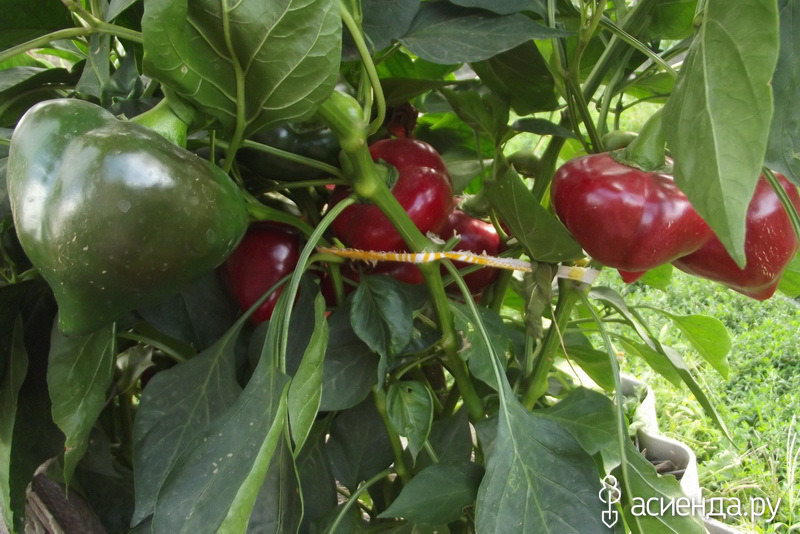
[(113, 215)]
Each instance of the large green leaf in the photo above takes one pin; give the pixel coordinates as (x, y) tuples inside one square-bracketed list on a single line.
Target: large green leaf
[(176, 405), (590, 417), (438, 494), (717, 119), (783, 151), (79, 374), (506, 7), (386, 20), (12, 500), (305, 390), (484, 113), (23, 21), (790, 281), (444, 33), (317, 484), (538, 479), (350, 368), (521, 77), (358, 446), (278, 507), (538, 230), (250, 62), (213, 484)]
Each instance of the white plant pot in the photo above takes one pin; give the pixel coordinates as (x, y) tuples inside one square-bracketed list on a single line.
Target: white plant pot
[(660, 447)]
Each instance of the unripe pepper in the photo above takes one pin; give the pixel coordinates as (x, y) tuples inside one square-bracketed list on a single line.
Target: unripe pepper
[(624, 217), (114, 216), (770, 245)]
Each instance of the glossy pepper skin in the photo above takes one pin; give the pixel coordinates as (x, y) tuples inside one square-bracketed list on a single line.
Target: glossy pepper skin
[(770, 245), (268, 252), (624, 217), (476, 236), (113, 216), (423, 188)]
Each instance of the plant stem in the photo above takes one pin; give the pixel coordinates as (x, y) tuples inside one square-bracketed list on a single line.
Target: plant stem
[(369, 66), (333, 529), (290, 156), (569, 293)]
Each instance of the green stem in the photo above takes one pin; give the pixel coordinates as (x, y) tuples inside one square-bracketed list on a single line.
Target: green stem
[(44, 40), (369, 66), (647, 150), (791, 210), (569, 294), (638, 45), (101, 26), (260, 212), (162, 120), (241, 122), (400, 467), (290, 156), (333, 529), (450, 340)]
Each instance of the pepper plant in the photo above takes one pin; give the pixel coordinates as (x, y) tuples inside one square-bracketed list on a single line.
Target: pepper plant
[(139, 138)]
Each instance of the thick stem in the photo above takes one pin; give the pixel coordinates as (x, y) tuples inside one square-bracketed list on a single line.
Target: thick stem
[(162, 120), (647, 150), (569, 293)]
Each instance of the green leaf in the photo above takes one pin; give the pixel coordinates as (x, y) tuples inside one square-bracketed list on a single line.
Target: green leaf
[(350, 368), (116, 7), (400, 90), (594, 363), (438, 494), (175, 406), (12, 496), (485, 114), (672, 19), (317, 485), (473, 348), (409, 406), (450, 438), (97, 70), (381, 315), (199, 315), (520, 76), (506, 7), (278, 507), (305, 390), (213, 484), (718, 137), (542, 127), (708, 336), (444, 33), (657, 361), (250, 63), (358, 446), (79, 374), (644, 483), (538, 479), (387, 20), (538, 230), (23, 21), (591, 419), (783, 149), (790, 281), (659, 278)]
